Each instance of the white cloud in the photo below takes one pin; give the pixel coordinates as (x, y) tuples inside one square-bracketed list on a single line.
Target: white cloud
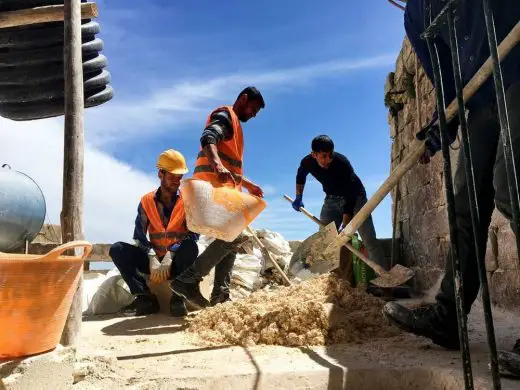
[(268, 189), (111, 189), (188, 101)]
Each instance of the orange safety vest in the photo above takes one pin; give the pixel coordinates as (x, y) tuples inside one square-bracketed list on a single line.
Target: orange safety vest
[(163, 238), (231, 152)]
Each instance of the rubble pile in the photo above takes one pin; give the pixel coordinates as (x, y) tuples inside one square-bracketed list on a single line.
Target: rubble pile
[(321, 311), (252, 271)]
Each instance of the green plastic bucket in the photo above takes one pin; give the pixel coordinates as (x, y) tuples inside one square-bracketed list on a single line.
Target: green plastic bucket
[(363, 274)]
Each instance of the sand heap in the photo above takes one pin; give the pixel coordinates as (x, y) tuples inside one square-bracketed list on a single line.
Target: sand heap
[(323, 310)]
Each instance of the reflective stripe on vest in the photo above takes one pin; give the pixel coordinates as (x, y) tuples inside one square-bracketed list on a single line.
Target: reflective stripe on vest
[(231, 152), (163, 238), (201, 169), (224, 157)]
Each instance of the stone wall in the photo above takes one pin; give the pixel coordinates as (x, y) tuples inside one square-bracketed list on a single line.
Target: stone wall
[(422, 223)]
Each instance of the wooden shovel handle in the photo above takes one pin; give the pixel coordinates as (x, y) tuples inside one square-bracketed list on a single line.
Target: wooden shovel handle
[(407, 164), (418, 147), (377, 268), (306, 212), (266, 252)]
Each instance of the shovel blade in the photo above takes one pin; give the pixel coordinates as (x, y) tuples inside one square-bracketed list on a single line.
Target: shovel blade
[(397, 276), (319, 263), (310, 251)]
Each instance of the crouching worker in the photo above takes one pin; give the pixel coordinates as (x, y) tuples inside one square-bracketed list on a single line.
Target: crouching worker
[(171, 248)]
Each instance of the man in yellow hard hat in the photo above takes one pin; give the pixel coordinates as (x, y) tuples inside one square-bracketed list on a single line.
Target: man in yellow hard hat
[(170, 249)]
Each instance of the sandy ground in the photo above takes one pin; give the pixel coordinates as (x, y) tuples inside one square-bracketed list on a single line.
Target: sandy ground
[(155, 352)]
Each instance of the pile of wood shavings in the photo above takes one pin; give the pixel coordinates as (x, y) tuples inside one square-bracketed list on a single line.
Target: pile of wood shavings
[(321, 311)]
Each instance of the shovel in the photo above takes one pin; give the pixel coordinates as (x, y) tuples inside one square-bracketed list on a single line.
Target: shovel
[(313, 245), (397, 276), (418, 147), (268, 256)]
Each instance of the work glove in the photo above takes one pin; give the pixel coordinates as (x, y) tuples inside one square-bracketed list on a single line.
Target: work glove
[(298, 202), (160, 270), (431, 134)]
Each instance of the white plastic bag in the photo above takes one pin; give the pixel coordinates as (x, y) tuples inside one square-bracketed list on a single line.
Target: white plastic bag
[(110, 296)]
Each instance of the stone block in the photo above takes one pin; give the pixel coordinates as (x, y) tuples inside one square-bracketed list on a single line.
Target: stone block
[(409, 114), (425, 278), (498, 220), (433, 224), (404, 208), (400, 71), (507, 253), (505, 289), (426, 252), (426, 198), (52, 370), (409, 57), (492, 251)]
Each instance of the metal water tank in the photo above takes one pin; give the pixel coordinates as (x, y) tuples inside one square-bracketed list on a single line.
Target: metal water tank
[(22, 209)]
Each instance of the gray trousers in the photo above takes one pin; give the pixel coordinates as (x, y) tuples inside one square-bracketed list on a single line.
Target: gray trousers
[(220, 255), (491, 187), (332, 211)]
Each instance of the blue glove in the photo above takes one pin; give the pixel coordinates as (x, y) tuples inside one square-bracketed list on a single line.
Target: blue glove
[(174, 247), (431, 133), (298, 202)]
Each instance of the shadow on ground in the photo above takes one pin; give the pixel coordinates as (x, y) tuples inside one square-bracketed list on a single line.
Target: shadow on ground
[(168, 353), (145, 326)]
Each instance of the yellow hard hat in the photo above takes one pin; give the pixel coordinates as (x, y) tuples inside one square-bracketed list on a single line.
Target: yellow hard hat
[(172, 161)]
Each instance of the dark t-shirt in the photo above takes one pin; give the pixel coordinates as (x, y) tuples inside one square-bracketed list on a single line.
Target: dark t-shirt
[(338, 179)]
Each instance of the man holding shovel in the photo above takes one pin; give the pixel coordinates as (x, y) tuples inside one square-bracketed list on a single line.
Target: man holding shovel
[(344, 192), (220, 162), (439, 321)]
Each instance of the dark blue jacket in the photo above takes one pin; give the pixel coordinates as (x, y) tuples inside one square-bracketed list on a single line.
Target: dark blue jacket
[(473, 44), (142, 222)]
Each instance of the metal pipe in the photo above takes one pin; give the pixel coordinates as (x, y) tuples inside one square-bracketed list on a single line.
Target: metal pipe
[(435, 26), (450, 203), (511, 173), (396, 4), (473, 201)]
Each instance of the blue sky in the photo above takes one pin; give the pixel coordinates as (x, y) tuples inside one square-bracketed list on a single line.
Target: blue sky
[(320, 68)]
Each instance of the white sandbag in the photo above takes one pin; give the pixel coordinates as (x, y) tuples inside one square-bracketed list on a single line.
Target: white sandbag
[(111, 295), (204, 242), (91, 283), (274, 242)]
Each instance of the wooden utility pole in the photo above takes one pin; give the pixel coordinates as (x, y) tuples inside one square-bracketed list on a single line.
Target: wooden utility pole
[(72, 207)]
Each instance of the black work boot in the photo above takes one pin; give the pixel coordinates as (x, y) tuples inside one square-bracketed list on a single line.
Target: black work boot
[(177, 306), (219, 298), (509, 362), (187, 286), (428, 321), (141, 305)]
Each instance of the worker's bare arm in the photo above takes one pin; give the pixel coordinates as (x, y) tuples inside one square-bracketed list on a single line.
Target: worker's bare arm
[(252, 187), (224, 175)]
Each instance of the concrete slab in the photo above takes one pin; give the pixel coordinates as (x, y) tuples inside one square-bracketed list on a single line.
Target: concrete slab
[(156, 353), (52, 370)]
